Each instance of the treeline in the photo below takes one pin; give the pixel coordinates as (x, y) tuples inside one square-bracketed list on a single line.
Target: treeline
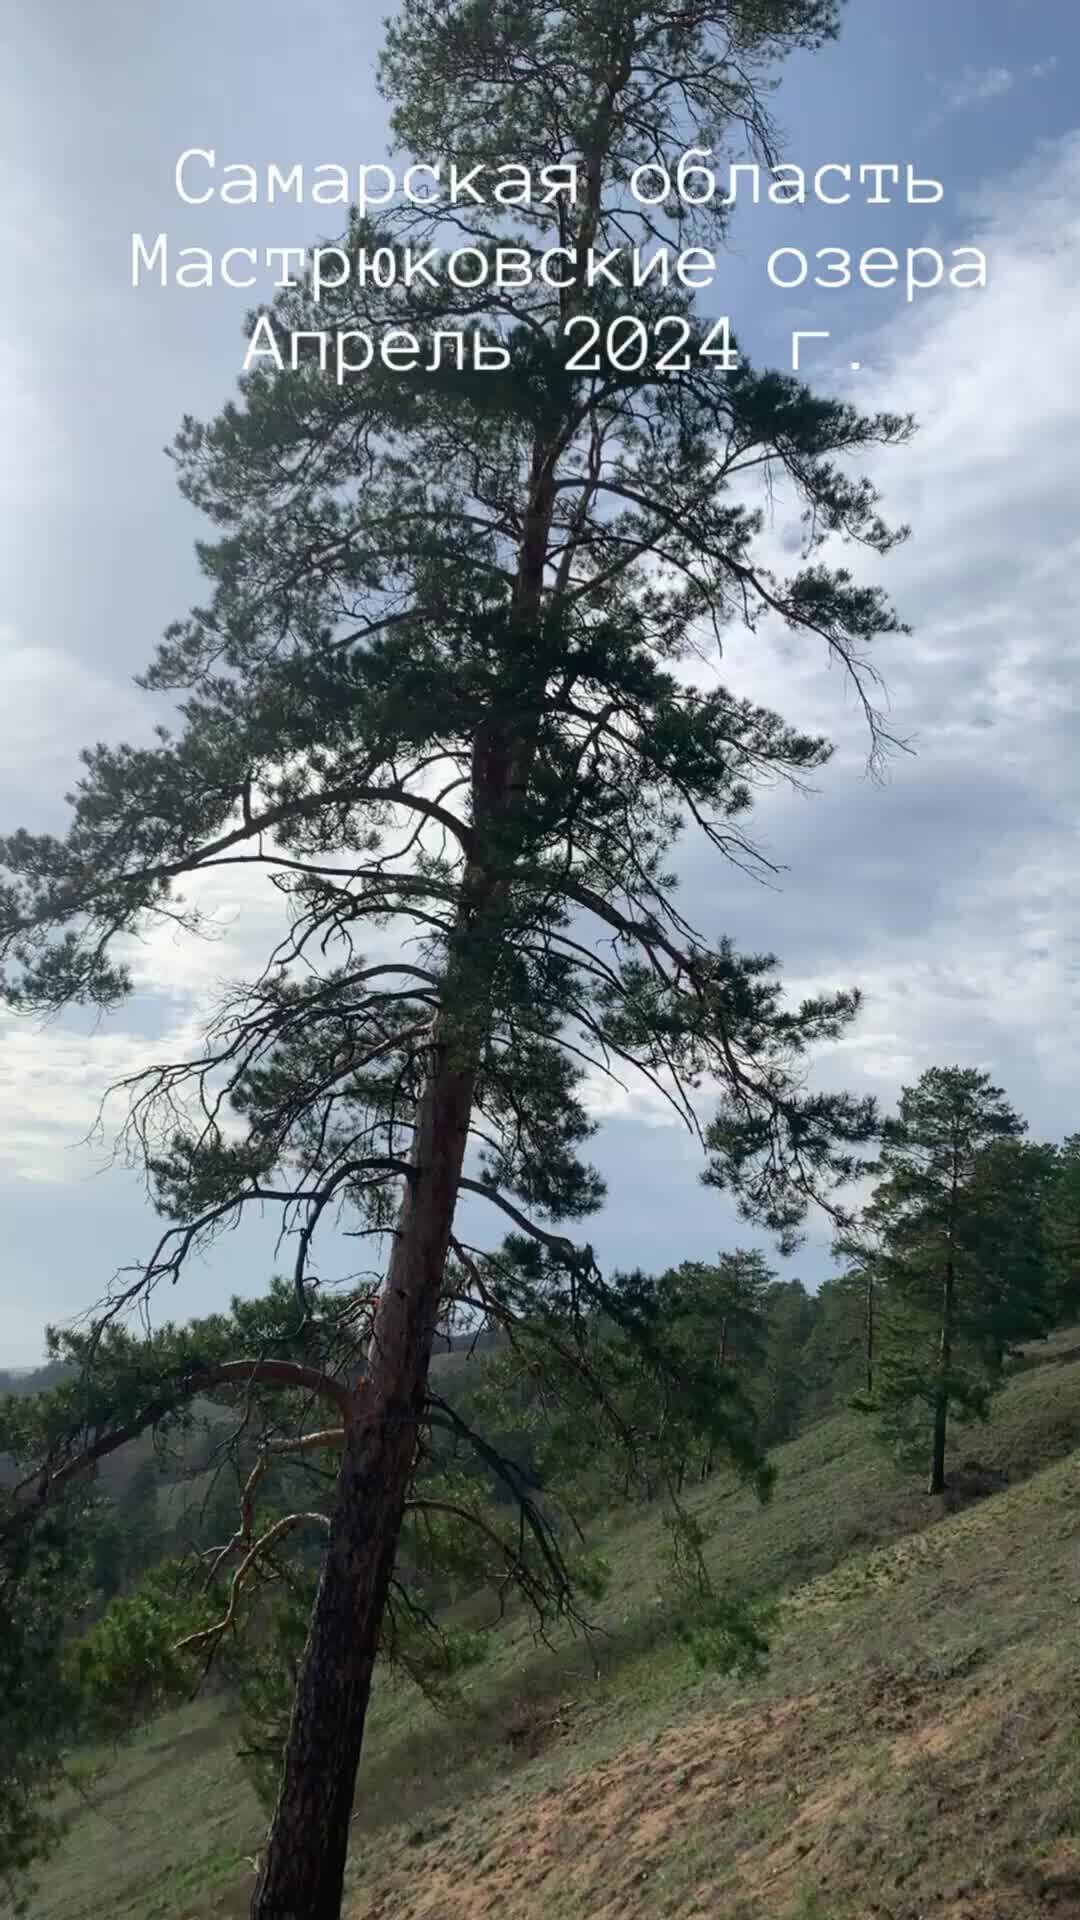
[(967, 1247)]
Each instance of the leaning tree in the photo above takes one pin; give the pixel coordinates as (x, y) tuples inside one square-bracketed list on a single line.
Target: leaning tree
[(455, 690)]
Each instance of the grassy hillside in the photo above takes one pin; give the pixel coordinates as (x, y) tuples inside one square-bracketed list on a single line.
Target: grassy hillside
[(911, 1749)]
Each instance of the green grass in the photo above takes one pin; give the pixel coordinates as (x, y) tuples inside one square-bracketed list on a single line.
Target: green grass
[(918, 1713), (159, 1828), (911, 1750)]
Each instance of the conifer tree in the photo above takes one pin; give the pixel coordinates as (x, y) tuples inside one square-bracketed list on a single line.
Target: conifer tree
[(723, 1302), (723, 1307), (853, 1296), (1007, 1195), (1061, 1227), (446, 691), (959, 1257), (780, 1393)]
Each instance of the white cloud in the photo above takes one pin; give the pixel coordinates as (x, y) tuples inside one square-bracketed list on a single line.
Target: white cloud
[(55, 703), (35, 455), (948, 896), (975, 86), (978, 86), (52, 1081)]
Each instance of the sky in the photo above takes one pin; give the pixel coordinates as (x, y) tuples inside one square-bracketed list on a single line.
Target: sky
[(946, 891)]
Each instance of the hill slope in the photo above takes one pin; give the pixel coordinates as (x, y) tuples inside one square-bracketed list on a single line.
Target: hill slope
[(912, 1748)]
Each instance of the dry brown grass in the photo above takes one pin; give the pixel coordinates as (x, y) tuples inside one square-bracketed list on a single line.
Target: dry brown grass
[(930, 1772)]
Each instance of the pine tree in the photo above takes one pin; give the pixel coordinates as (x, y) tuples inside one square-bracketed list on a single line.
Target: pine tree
[(958, 1255), (720, 1311), (780, 1391), (1007, 1197), (440, 691), (853, 1295), (40, 1584), (724, 1302), (1061, 1226), (836, 1349)]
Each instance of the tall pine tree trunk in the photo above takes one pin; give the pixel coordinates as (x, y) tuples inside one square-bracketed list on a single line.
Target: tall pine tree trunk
[(303, 1867), (304, 1861)]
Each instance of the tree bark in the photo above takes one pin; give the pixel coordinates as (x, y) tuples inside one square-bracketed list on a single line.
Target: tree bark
[(303, 1866)]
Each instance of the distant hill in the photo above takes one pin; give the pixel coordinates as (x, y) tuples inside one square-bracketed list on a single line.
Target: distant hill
[(27, 1380)]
